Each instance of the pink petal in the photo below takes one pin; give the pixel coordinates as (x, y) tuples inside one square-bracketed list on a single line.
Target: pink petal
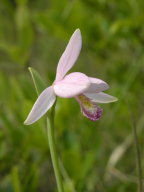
[(97, 85), (89, 108), (72, 85), (41, 106), (70, 55), (101, 97)]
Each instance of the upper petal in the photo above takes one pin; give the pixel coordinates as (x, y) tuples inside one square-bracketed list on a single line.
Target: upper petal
[(72, 85), (41, 106), (101, 97), (97, 85), (70, 55)]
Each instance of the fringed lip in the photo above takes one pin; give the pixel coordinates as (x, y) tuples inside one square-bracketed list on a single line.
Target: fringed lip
[(89, 108)]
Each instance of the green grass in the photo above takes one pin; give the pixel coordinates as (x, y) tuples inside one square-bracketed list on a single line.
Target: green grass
[(34, 34)]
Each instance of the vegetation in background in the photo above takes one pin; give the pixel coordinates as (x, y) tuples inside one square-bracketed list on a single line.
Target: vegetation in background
[(97, 156)]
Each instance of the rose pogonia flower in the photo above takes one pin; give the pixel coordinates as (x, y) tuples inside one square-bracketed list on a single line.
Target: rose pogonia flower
[(86, 90)]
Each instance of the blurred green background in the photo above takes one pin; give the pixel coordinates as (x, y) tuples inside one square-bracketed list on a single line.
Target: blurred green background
[(94, 156)]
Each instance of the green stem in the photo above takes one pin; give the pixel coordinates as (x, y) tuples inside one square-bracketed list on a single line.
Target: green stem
[(52, 147), (138, 156)]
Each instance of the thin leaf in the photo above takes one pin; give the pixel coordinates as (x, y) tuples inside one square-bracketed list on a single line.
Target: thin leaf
[(37, 80)]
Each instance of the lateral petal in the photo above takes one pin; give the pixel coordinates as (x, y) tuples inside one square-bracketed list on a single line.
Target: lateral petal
[(72, 85), (70, 55), (101, 97), (97, 85), (41, 106)]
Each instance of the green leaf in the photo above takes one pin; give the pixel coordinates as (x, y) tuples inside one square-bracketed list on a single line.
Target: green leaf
[(37, 80)]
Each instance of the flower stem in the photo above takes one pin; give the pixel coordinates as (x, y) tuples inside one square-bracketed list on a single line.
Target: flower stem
[(52, 147)]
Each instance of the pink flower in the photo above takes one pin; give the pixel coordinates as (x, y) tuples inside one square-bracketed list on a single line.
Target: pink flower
[(86, 90)]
